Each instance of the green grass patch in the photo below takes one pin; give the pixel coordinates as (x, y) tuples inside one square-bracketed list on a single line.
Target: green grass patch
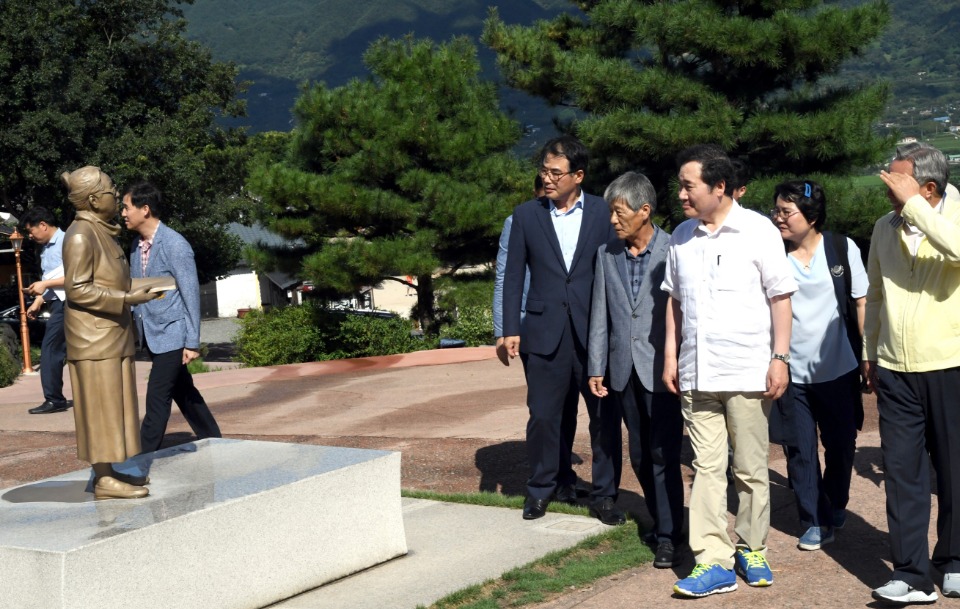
[(556, 573), (489, 499)]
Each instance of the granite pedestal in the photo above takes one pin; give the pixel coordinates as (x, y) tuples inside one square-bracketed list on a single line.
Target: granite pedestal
[(229, 524)]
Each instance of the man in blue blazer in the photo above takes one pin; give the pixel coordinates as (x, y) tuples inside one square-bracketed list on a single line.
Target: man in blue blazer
[(556, 237), (169, 327), (501, 270), (626, 341)]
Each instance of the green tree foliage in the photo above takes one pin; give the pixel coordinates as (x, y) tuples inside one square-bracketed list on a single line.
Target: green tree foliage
[(114, 83), (406, 173), (652, 77)]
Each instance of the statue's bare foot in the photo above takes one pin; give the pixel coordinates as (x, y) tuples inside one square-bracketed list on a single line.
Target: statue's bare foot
[(107, 487)]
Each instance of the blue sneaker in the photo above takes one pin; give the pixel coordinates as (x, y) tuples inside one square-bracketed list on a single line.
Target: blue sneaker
[(815, 537), (705, 580), (753, 567), (839, 518)]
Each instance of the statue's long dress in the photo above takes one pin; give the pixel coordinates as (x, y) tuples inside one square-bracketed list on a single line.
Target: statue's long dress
[(100, 341)]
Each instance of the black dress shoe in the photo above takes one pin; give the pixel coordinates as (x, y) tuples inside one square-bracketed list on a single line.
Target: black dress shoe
[(48, 407), (607, 512), (649, 538), (667, 556), (566, 493), (534, 508)]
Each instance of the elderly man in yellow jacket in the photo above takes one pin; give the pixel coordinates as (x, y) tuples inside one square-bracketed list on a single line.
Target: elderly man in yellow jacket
[(912, 360)]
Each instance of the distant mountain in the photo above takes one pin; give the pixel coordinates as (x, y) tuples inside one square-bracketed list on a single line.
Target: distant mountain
[(282, 43), (313, 39), (920, 54)]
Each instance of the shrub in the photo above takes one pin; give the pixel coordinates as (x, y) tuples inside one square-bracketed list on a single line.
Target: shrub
[(467, 306), (310, 332), (197, 366), (286, 335), (474, 325), (367, 335), (9, 367)]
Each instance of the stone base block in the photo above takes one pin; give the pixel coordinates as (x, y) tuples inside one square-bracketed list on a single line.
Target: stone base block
[(229, 524)]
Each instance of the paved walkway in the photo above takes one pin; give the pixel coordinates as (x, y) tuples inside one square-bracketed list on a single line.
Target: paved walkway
[(467, 395)]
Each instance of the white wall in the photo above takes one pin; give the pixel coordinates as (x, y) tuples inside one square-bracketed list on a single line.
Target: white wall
[(241, 291)]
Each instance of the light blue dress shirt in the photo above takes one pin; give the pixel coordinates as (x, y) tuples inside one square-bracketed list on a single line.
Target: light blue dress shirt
[(567, 226), (498, 281), (51, 257)]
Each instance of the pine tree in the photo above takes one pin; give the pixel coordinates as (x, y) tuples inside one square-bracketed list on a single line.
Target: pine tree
[(409, 172), (757, 77)]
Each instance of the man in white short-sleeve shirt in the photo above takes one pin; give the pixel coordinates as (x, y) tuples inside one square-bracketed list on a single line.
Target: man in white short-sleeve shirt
[(729, 314)]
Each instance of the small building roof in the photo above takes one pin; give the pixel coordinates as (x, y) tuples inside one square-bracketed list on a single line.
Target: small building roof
[(259, 235)]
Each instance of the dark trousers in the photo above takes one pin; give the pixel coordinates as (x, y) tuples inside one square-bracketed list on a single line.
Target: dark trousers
[(918, 416), (655, 432), (171, 381), (53, 354), (555, 383), (831, 407)]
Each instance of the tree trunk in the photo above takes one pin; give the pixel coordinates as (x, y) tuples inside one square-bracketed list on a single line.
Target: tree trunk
[(426, 308)]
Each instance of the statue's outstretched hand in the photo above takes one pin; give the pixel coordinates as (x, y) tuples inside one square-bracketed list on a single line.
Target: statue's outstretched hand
[(138, 296)]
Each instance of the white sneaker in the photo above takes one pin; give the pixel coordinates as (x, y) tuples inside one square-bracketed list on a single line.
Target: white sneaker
[(899, 592), (951, 585)]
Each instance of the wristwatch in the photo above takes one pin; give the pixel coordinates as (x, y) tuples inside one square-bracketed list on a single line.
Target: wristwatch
[(783, 357)]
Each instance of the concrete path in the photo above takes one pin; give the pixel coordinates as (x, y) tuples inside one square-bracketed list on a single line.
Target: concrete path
[(466, 396), (450, 548), (384, 396)]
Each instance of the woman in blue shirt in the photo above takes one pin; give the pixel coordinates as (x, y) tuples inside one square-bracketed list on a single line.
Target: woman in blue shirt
[(824, 361)]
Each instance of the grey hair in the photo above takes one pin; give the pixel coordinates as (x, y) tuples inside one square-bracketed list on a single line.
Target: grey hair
[(929, 164), (633, 188)]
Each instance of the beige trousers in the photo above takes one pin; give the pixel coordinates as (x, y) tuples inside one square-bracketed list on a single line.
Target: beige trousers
[(710, 417)]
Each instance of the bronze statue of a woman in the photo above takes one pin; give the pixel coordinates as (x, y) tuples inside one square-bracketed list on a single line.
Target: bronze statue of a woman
[(99, 332)]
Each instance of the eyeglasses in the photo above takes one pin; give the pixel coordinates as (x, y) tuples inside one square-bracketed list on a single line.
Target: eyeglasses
[(780, 213), (553, 176), (112, 191)]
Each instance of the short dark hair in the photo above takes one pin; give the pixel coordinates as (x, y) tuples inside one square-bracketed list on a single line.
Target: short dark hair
[(715, 165), (813, 206), (537, 183), (741, 173), (145, 193), (36, 215), (568, 147)]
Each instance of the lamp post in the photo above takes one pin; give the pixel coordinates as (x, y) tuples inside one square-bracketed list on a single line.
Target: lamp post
[(16, 239)]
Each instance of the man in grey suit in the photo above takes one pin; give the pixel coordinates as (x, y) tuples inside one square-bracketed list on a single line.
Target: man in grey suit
[(626, 345), (169, 327)]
